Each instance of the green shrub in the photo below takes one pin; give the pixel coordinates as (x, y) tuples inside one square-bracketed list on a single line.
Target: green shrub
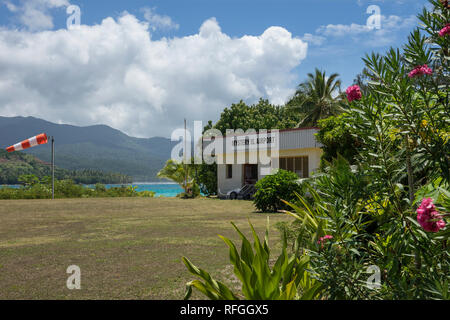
[(122, 191), (68, 189), (33, 188), (272, 189), (100, 188), (146, 194), (8, 193), (207, 178)]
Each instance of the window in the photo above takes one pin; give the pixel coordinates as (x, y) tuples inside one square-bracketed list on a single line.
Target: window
[(299, 165), (229, 171)]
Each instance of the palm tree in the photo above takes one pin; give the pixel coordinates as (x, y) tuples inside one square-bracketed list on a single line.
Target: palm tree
[(317, 98), (181, 174)]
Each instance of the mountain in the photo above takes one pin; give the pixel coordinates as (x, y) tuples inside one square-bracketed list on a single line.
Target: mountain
[(96, 147)]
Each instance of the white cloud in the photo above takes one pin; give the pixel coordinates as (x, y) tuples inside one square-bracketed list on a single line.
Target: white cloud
[(339, 30), (114, 73), (35, 14), (157, 21), (313, 39), (11, 6), (390, 25), (363, 2)]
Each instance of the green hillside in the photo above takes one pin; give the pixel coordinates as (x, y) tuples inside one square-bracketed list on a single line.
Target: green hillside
[(13, 165)]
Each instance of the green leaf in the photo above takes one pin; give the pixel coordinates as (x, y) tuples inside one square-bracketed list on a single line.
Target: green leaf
[(246, 248), (290, 292)]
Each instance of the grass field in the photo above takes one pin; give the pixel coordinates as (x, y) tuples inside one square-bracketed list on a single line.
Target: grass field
[(127, 248)]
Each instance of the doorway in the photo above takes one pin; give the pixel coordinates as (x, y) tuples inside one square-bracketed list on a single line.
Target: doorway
[(250, 173)]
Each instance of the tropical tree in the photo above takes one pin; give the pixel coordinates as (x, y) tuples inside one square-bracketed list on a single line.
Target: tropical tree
[(261, 115), (317, 98), (182, 174)]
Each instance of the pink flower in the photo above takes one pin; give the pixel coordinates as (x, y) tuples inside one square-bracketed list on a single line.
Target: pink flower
[(353, 93), (428, 217), (323, 239), (445, 30), (420, 71)]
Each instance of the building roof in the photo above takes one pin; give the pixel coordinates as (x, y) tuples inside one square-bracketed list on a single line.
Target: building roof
[(296, 138), (268, 131)]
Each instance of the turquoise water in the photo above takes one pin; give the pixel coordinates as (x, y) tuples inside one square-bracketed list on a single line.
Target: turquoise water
[(160, 188)]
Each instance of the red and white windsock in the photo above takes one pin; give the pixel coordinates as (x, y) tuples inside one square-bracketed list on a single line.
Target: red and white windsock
[(32, 142)]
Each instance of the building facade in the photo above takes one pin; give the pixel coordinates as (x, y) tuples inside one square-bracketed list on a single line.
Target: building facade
[(247, 158)]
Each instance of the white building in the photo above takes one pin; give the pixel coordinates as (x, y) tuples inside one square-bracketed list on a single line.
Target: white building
[(246, 158)]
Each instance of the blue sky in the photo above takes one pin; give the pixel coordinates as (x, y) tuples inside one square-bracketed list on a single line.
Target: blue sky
[(334, 30)]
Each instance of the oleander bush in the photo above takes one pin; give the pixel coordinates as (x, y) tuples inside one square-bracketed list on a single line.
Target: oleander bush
[(377, 228), (389, 211)]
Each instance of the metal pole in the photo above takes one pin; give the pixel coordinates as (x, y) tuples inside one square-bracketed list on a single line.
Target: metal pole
[(184, 156), (53, 167)]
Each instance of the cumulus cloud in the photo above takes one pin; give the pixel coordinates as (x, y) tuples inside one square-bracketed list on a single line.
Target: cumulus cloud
[(115, 73), (35, 14)]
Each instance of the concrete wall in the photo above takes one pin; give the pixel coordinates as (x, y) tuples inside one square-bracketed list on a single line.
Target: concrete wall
[(224, 184)]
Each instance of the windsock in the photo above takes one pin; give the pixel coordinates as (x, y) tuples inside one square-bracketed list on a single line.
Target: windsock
[(32, 142)]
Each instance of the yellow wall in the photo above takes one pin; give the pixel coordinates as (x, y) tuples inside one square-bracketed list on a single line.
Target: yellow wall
[(314, 155)]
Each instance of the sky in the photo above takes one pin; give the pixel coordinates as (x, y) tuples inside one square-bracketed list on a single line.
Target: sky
[(142, 66)]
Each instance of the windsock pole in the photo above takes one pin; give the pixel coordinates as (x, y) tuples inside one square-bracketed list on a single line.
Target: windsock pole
[(53, 167), (185, 159)]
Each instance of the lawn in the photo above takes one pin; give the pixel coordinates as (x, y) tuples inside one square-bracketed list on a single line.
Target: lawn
[(127, 248)]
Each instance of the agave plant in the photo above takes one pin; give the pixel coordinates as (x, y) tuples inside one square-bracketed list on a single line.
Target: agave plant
[(287, 279)]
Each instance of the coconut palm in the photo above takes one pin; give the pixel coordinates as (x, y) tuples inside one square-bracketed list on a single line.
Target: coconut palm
[(317, 98), (182, 174)]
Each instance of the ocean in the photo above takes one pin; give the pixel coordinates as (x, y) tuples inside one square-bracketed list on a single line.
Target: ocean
[(164, 189)]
